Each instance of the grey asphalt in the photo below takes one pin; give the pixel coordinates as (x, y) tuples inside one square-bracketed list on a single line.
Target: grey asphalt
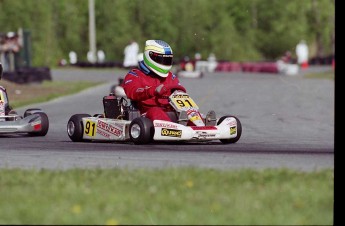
[(288, 122)]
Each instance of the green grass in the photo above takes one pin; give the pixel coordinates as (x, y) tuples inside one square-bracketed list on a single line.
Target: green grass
[(166, 196), (321, 75), (49, 90)]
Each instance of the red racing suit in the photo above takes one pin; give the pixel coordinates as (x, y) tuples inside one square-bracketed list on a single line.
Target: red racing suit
[(139, 87)]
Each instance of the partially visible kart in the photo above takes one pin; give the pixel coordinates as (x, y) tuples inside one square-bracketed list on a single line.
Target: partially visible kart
[(117, 88), (187, 70), (34, 121), (121, 121)]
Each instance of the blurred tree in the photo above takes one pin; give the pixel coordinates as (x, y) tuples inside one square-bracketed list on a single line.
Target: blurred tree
[(234, 30), (321, 20)]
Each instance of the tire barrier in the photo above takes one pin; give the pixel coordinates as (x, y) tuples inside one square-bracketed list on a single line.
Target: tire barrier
[(28, 75), (267, 67), (98, 65)]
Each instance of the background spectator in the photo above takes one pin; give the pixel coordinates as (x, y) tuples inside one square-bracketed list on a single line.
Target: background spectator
[(73, 59), (2, 51), (10, 48), (131, 55), (302, 52), (100, 56)]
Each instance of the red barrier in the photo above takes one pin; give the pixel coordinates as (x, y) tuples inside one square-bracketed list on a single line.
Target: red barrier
[(268, 67)]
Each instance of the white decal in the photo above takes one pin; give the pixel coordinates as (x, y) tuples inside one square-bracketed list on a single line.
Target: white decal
[(109, 128), (165, 125)]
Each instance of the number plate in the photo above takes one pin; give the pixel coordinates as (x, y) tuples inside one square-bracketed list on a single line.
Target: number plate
[(90, 128), (183, 102)]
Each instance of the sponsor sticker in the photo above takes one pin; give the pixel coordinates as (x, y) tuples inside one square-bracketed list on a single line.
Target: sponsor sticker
[(171, 132), (230, 122), (165, 125), (103, 133), (109, 128), (140, 90), (205, 135), (233, 130), (181, 96)]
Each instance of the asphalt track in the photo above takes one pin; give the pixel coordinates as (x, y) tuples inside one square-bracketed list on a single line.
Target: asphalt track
[(288, 122)]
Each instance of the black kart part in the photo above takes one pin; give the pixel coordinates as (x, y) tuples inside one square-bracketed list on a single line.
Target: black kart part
[(141, 130), (112, 107), (239, 130), (75, 128), (31, 111)]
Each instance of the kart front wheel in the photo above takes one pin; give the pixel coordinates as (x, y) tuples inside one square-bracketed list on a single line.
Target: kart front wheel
[(75, 128), (141, 130), (239, 130), (44, 124)]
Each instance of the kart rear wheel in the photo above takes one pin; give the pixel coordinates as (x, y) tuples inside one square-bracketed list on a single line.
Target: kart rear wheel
[(44, 125), (75, 128), (141, 130), (239, 130)]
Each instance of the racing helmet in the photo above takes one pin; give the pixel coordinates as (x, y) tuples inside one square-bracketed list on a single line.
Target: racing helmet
[(158, 57)]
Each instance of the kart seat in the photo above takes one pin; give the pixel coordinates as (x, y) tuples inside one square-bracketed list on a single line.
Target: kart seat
[(134, 112)]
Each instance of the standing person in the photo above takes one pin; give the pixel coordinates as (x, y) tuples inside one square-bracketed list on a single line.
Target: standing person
[(152, 80), (3, 49), (302, 54), (131, 55), (12, 48)]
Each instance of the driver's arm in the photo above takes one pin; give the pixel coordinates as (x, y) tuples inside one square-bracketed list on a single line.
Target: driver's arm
[(175, 84), (135, 89)]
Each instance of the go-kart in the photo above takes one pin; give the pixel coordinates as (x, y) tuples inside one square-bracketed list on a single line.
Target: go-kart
[(121, 121), (34, 121), (118, 88), (187, 70)]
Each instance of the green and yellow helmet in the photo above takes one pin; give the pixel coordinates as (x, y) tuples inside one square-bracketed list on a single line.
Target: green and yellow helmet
[(158, 57)]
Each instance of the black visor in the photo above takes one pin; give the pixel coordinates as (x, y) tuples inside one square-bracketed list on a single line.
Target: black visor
[(165, 59)]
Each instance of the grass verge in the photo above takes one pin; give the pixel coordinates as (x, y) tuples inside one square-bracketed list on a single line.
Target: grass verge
[(321, 75), (185, 196), (21, 95)]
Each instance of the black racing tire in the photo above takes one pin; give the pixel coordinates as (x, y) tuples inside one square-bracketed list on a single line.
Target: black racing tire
[(141, 130), (239, 130), (44, 125), (75, 128), (29, 111)]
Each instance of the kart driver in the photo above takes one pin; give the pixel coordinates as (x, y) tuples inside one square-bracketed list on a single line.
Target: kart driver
[(151, 83)]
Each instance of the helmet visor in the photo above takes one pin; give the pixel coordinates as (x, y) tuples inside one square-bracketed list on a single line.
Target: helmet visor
[(164, 59)]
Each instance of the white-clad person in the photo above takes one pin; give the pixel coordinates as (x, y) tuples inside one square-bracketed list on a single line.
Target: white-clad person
[(131, 55)]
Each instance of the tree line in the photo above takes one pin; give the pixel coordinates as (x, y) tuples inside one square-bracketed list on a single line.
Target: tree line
[(234, 30)]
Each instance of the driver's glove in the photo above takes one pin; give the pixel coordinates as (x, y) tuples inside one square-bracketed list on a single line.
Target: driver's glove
[(161, 90), (164, 90), (158, 91)]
